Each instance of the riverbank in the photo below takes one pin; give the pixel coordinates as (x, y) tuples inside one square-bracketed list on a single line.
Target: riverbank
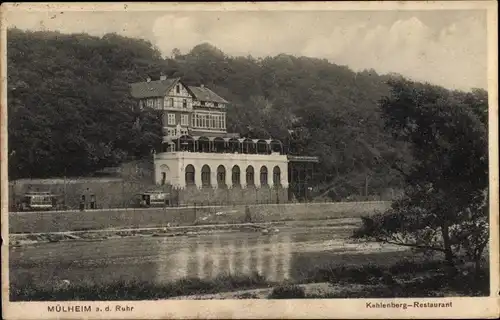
[(417, 278), (22, 239), (61, 221), (135, 264)]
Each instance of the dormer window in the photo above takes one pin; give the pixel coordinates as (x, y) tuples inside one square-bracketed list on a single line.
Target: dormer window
[(216, 104), (203, 103), (178, 88)]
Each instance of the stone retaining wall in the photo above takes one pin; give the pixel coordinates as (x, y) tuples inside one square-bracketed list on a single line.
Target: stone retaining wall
[(37, 222)]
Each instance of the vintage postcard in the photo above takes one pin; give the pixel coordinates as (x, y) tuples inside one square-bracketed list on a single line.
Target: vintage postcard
[(250, 160)]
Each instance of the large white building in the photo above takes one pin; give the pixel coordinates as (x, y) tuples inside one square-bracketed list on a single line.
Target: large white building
[(198, 151)]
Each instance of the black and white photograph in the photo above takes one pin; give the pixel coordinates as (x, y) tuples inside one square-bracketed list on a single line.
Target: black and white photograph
[(250, 160)]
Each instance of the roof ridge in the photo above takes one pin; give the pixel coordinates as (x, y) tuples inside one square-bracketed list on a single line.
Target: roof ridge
[(160, 87)]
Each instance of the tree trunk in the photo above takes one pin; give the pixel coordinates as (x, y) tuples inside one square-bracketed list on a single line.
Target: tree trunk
[(477, 266), (448, 254), (477, 261)]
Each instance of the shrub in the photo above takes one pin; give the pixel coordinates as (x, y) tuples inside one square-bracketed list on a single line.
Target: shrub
[(410, 266), (133, 290), (247, 295), (362, 274), (367, 227), (287, 292)]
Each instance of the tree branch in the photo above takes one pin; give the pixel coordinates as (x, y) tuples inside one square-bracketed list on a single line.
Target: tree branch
[(410, 245), (397, 168)]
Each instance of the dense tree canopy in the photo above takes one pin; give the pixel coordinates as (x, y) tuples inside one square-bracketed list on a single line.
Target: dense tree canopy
[(332, 111), (70, 110), (445, 205)]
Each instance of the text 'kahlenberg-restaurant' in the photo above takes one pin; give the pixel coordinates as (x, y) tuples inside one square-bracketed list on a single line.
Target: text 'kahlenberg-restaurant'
[(197, 149)]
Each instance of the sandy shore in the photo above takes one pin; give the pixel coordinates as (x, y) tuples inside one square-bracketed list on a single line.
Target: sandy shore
[(20, 239)]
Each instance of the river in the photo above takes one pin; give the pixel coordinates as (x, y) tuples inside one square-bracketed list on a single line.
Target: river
[(288, 253)]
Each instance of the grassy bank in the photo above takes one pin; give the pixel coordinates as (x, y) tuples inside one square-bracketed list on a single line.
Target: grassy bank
[(134, 290), (406, 278), (402, 279)]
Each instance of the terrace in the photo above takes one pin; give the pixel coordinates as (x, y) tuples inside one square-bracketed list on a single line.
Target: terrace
[(205, 144)]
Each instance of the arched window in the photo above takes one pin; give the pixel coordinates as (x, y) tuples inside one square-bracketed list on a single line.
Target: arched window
[(203, 144), (262, 147), (263, 176), (250, 177), (205, 176), (236, 176), (276, 146), (277, 176), (219, 145), (221, 176), (190, 175), (249, 146), (185, 143), (234, 145), (164, 174)]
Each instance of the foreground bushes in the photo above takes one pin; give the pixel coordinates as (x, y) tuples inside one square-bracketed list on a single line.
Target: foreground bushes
[(406, 278), (370, 272), (135, 290), (287, 291), (403, 279)]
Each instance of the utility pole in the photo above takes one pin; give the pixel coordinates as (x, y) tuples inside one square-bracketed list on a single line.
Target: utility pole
[(64, 188), (366, 186)]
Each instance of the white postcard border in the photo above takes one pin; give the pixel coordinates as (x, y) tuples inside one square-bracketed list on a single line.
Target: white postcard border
[(485, 307)]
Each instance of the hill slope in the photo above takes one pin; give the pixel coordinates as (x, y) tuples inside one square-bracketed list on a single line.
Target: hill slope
[(70, 111), (68, 103)]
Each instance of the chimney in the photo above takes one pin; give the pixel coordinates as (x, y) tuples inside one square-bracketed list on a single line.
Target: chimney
[(163, 77), (148, 79)]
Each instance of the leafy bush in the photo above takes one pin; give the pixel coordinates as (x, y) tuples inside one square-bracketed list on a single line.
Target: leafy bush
[(287, 291), (410, 266), (133, 290), (367, 228), (247, 295), (362, 274), (445, 204)]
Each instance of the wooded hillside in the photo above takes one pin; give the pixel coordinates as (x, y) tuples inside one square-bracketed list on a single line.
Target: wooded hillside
[(70, 111)]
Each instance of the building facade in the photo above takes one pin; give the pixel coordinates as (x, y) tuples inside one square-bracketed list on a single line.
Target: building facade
[(197, 150), (187, 110)]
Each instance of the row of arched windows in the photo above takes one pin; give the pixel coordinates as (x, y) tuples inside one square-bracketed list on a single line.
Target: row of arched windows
[(235, 176), (223, 145)]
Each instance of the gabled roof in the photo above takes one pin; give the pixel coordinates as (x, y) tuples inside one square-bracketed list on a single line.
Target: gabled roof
[(205, 94), (157, 88)]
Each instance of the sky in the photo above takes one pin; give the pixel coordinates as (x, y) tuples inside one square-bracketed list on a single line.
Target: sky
[(445, 47)]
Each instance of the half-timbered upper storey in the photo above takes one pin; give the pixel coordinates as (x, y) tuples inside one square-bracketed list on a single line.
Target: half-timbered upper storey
[(186, 109)]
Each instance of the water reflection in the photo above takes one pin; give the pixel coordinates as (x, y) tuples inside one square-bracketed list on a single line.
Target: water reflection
[(293, 253), (209, 256)]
